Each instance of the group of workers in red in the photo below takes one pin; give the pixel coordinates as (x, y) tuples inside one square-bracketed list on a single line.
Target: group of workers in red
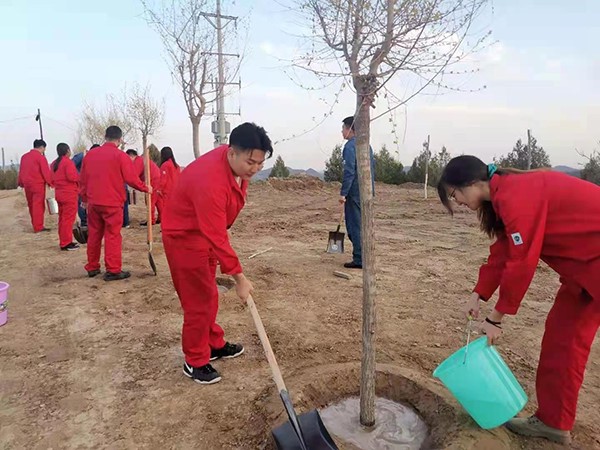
[(532, 215), (99, 187)]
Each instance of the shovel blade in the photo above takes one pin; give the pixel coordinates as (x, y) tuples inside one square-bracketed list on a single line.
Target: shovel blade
[(314, 432), (80, 233), (336, 242), (152, 264)]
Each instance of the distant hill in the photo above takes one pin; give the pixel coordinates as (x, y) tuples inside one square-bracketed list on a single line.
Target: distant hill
[(568, 170), (264, 174)]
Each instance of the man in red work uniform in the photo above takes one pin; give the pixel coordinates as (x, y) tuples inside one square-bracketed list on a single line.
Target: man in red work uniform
[(537, 215), (34, 175), (209, 196), (104, 173), (138, 165)]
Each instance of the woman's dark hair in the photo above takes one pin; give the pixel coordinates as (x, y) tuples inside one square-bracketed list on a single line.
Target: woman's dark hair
[(166, 154), (467, 170), (61, 149)]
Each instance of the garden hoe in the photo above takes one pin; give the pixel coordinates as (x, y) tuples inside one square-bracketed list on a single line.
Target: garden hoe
[(303, 432), (149, 208), (336, 238)]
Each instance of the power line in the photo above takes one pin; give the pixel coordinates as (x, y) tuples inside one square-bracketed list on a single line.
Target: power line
[(15, 119)]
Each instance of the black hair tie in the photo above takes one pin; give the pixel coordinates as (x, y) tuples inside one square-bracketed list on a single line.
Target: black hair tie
[(496, 324)]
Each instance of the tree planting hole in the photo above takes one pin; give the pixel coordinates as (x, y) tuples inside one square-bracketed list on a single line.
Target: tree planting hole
[(397, 426)]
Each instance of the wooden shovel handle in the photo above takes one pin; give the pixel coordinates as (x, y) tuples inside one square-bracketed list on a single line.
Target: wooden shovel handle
[(264, 339), (148, 195)]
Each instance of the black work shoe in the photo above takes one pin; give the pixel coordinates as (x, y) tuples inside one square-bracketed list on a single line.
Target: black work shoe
[(352, 265), (116, 276), (93, 273), (203, 375), (70, 247), (43, 229), (227, 352), (144, 223)]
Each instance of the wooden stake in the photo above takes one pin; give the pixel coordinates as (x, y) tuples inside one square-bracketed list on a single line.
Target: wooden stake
[(342, 275)]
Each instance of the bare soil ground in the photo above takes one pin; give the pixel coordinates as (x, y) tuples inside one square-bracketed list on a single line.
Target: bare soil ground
[(89, 364)]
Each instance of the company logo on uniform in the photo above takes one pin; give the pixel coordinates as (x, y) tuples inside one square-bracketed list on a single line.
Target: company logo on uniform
[(517, 239)]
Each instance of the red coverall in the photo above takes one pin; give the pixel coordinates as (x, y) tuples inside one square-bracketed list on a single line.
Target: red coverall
[(66, 185), (202, 207), (104, 171), (555, 217), (155, 182), (169, 178), (34, 175)]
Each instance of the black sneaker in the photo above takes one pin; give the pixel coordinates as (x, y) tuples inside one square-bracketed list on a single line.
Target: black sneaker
[(116, 276), (352, 265), (70, 247), (203, 375), (93, 273), (227, 352)]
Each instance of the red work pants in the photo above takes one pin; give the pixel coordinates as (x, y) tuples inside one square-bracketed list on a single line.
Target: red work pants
[(104, 222), (36, 201), (571, 328), (193, 267), (67, 212)]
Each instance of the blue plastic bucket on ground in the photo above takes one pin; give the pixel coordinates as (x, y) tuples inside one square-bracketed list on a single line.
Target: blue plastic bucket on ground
[(483, 384)]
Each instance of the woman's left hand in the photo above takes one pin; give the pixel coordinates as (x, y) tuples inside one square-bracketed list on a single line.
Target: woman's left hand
[(492, 332)]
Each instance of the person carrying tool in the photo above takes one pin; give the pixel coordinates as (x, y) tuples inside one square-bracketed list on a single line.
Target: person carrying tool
[(104, 173), (209, 196), (66, 185), (537, 215), (34, 175), (155, 181), (169, 174), (350, 193)]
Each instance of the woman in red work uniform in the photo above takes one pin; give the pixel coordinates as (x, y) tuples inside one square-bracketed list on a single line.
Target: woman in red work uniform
[(537, 215), (169, 173), (66, 185), (209, 196)]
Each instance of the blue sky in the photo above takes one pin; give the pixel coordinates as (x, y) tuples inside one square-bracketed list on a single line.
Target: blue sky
[(543, 74)]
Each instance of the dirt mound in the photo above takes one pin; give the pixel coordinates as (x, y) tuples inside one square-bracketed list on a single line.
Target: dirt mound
[(296, 183), (411, 185)]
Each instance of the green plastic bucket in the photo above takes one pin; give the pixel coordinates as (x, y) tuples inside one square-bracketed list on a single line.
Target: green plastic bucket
[(483, 384)]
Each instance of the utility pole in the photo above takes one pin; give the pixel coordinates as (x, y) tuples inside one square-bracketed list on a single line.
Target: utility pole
[(38, 118), (220, 127), (3, 163), (528, 149), (427, 156)]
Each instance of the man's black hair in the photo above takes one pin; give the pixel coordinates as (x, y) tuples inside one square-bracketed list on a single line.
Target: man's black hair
[(94, 146), (249, 136), (349, 122), (39, 143), (113, 133), (131, 152)]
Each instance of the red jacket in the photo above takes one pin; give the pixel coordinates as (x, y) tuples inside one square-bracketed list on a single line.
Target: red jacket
[(549, 216), (34, 170), (104, 173), (66, 178), (205, 203), (169, 177)]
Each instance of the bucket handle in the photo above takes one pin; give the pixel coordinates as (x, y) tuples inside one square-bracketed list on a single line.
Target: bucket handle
[(469, 329)]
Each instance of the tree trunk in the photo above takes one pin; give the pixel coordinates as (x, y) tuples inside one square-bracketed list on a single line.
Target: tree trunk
[(196, 136), (362, 132), (144, 143)]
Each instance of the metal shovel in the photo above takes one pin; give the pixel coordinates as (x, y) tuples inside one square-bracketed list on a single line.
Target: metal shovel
[(149, 209), (335, 243), (303, 432)]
